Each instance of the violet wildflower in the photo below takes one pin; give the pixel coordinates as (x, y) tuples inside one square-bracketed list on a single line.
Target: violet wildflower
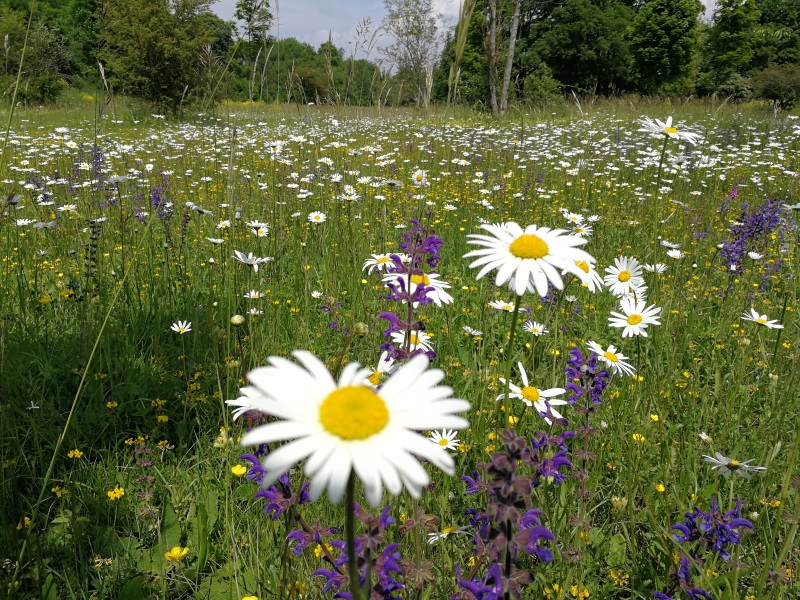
[(279, 496), (713, 530)]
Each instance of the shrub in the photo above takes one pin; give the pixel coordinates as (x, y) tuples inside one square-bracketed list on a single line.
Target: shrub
[(780, 84)]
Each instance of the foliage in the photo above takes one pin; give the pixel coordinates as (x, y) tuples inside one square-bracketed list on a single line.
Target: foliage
[(779, 84)]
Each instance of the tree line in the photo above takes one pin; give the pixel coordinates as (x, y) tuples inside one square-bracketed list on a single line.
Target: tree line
[(178, 53)]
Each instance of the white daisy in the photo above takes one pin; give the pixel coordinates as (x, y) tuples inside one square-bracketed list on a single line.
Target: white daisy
[(501, 305), (761, 320), (251, 400), (656, 268), (418, 339), (317, 217), (378, 262), (181, 327), (624, 275), (445, 439), (635, 317), (471, 332), (755, 255), (419, 178), (429, 280), (676, 254), (254, 295), (346, 427), (660, 128), (592, 279), (528, 258), (436, 536), (535, 328), (730, 466), (612, 359), (251, 259), (533, 396), (386, 366)]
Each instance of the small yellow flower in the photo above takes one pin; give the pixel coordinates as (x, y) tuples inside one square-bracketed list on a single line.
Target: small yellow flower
[(59, 491), (162, 418), (116, 493), (660, 488), (177, 554), (654, 418), (24, 523), (112, 404), (638, 437), (238, 470), (75, 454), (250, 598)]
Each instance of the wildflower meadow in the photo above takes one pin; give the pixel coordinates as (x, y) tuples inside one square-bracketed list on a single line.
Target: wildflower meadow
[(321, 352)]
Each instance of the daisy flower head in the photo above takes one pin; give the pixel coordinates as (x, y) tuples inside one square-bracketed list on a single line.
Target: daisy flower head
[(317, 217), (378, 262), (251, 400), (501, 305), (660, 128), (535, 328), (533, 396), (592, 280), (626, 273), (251, 259), (419, 178), (181, 327), (614, 360), (436, 536), (417, 340), (445, 439), (386, 366), (528, 258), (676, 254), (761, 320), (755, 255), (635, 317), (470, 331), (730, 466), (656, 268), (346, 427)]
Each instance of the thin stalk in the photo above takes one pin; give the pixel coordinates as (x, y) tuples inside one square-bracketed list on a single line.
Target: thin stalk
[(509, 348), (349, 530)]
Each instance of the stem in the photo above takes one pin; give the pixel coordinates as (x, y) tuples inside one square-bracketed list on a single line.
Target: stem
[(349, 529), (509, 348)]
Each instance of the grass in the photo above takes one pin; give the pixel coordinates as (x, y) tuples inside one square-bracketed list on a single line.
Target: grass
[(88, 306)]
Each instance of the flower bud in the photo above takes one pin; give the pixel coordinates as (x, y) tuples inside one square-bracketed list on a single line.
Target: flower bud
[(237, 320), (361, 329)]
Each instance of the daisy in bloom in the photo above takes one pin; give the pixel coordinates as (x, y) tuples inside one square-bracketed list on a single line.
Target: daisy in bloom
[(528, 258), (216, 240), (446, 439), (501, 305), (592, 279), (223, 224), (535, 328), (533, 396), (635, 317), (260, 232), (660, 128), (624, 275), (656, 268), (251, 259), (418, 339), (254, 295), (727, 466), (429, 280), (386, 365), (471, 332), (580, 229), (345, 427), (251, 400), (181, 327), (676, 254), (436, 536), (755, 255), (316, 294), (378, 262), (613, 360), (761, 320), (419, 178), (317, 217)]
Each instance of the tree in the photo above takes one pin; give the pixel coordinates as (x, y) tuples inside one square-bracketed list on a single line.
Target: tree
[(731, 42), (256, 18), (663, 40), (413, 52)]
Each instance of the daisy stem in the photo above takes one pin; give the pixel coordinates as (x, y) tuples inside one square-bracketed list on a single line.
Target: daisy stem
[(339, 362), (509, 348), (349, 529)]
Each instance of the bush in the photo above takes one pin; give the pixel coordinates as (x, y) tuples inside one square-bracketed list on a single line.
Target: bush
[(780, 84), (737, 88)]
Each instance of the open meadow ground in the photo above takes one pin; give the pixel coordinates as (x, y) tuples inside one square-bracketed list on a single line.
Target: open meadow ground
[(630, 360)]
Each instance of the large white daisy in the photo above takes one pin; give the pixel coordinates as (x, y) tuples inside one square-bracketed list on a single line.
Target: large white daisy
[(624, 275), (347, 427), (614, 360), (528, 258), (635, 317)]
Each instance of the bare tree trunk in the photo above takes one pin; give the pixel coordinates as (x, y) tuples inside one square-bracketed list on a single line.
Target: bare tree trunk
[(492, 55), (512, 42)]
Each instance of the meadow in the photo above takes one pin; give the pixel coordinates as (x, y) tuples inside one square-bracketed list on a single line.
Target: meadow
[(150, 265)]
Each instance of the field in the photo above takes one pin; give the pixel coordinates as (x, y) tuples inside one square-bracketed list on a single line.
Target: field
[(150, 265)]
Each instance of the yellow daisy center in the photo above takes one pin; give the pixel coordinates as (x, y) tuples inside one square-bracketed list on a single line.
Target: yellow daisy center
[(448, 530), (530, 394), (610, 355), (444, 442), (624, 276), (529, 246), (317, 217), (584, 266), (761, 321), (381, 260), (417, 279), (670, 130), (353, 412), (375, 378), (414, 339), (634, 319), (734, 462)]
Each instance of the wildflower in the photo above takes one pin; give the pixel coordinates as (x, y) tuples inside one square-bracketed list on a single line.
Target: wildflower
[(316, 294), (611, 358), (317, 217), (635, 317), (501, 305), (656, 268), (541, 400), (251, 259), (348, 427), (535, 328), (660, 128), (727, 466), (417, 340), (528, 258), (660, 488), (223, 224), (116, 493), (419, 178), (471, 332), (676, 254), (379, 262), (386, 365), (177, 554), (713, 530), (626, 274), (254, 295), (74, 454), (638, 438), (446, 439), (434, 288), (250, 400), (761, 320), (436, 536), (181, 327), (238, 470)]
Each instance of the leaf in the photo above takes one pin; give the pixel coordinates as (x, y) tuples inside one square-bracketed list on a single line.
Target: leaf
[(616, 551), (49, 591)]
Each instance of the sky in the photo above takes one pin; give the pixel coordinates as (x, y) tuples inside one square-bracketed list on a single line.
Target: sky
[(311, 20)]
